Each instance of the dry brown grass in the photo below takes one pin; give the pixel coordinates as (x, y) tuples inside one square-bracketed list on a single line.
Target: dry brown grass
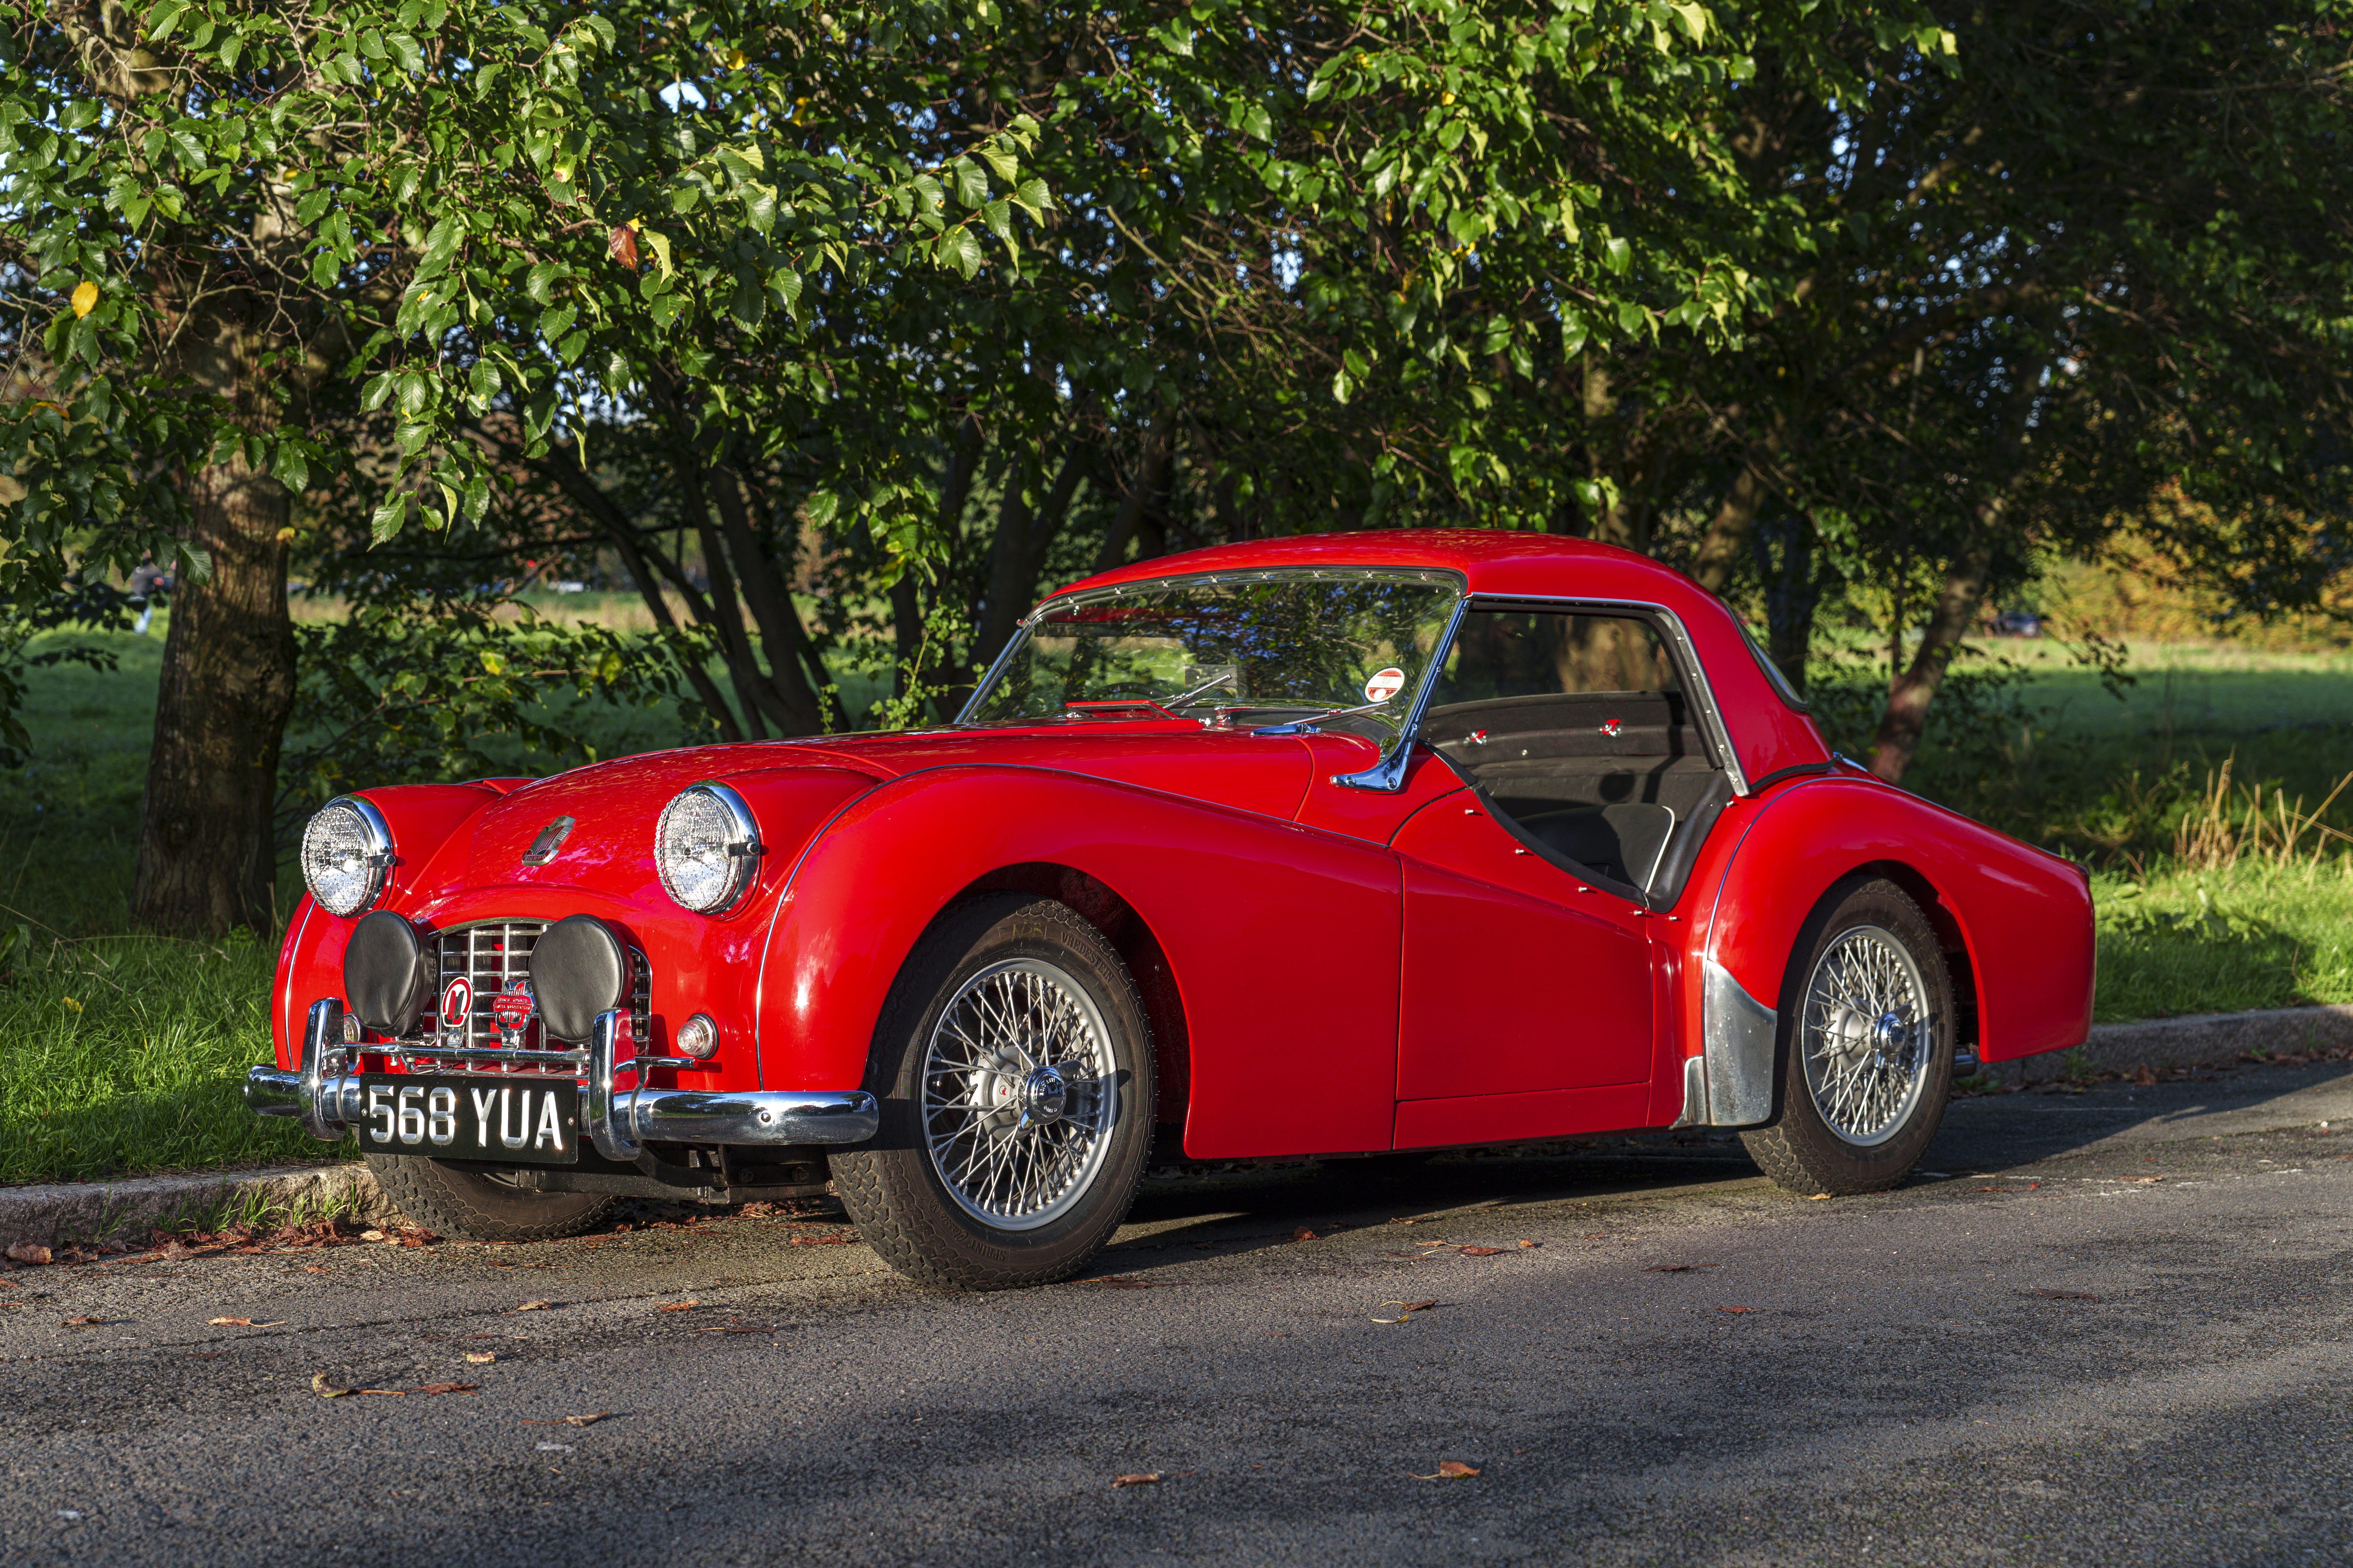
[(2231, 825)]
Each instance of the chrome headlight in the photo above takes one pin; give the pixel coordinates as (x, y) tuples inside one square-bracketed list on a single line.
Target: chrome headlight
[(706, 847), (346, 856)]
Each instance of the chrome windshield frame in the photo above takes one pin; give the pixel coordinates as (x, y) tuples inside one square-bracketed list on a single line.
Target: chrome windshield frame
[(1433, 575)]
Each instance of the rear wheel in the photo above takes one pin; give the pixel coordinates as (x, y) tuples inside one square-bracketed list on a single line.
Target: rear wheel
[(472, 1206), (1867, 1045), (1015, 1069)]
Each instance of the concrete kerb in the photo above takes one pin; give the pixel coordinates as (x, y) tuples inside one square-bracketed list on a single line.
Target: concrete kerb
[(61, 1214), (2204, 1040), (58, 1214)]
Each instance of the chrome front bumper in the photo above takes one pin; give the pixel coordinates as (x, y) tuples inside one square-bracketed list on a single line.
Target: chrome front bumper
[(326, 1098)]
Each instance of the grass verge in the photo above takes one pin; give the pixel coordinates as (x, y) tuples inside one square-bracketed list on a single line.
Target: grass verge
[(120, 1054)]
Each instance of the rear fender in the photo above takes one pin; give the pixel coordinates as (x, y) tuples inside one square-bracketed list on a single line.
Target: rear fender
[(1281, 942), (2020, 918)]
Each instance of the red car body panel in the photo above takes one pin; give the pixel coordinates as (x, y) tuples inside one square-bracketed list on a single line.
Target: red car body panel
[(1331, 970)]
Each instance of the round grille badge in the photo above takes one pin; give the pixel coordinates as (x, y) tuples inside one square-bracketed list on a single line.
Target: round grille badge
[(457, 1002), (511, 1009)]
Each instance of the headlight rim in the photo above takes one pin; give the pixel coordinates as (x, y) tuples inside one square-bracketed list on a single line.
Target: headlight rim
[(377, 859), (744, 849)]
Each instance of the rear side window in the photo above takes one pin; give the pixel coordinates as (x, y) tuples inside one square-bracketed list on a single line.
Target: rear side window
[(1540, 653)]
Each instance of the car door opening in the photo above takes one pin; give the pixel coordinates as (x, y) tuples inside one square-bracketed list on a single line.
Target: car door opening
[(1574, 728)]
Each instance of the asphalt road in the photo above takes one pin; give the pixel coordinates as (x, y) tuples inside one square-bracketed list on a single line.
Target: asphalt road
[(2111, 1328)]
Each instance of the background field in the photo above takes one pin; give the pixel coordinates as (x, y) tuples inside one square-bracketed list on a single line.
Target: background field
[(122, 1052)]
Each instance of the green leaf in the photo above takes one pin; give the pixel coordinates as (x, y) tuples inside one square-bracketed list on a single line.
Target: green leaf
[(960, 250), (289, 469), (971, 182), (999, 218), (1034, 199), (1616, 255), (1007, 167), (821, 507), (387, 520)]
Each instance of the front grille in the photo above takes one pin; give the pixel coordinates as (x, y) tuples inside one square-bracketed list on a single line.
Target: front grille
[(490, 956)]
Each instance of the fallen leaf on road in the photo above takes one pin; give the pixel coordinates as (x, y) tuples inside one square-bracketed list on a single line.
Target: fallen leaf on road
[(481, 1358), (1400, 1219), (1479, 1251), (2143, 1077), (2066, 1295), (1818, 1197), (1676, 1268), (1449, 1470), (1531, 1244), (25, 1252), (1304, 1234), (92, 1323), (535, 1307), (822, 1240), (2137, 1181), (325, 1390), (555, 1448), (452, 1388), (243, 1323), (589, 1420), (1406, 1311), (1736, 1309), (1145, 1479), (372, 1235), (678, 1307)]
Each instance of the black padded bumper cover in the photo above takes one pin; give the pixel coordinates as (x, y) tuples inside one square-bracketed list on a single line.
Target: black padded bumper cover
[(577, 970), (385, 973)]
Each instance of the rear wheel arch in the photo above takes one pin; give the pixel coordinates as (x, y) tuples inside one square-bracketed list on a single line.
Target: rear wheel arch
[(1952, 936)]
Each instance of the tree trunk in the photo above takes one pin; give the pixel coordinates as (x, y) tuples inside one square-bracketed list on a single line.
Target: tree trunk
[(1151, 460), (1909, 694), (1783, 543), (208, 851), (1024, 532)]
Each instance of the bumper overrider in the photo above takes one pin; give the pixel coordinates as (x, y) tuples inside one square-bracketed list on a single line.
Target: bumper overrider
[(324, 1095)]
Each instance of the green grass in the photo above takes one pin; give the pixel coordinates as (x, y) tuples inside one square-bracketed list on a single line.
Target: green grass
[(2251, 935), (128, 1053)]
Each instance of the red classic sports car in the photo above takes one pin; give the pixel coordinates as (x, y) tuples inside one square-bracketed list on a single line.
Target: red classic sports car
[(1331, 847)]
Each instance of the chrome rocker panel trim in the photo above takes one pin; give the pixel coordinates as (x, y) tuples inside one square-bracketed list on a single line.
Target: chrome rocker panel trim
[(1730, 1083), (328, 1102)]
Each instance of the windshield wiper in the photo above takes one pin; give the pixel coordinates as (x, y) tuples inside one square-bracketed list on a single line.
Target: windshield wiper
[(1307, 726), (1218, 680)]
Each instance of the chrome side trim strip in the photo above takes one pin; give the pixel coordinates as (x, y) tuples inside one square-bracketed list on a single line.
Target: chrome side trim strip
[(1739, 1034)]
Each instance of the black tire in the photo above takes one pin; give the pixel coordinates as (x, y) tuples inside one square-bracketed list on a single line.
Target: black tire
[(1803, 1148), (895, 1189), (471, 1207)]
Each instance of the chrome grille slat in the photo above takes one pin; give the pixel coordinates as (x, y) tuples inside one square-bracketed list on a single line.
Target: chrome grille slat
[(489, 954)]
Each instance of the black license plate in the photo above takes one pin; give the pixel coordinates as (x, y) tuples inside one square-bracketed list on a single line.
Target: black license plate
[(527, 1120)]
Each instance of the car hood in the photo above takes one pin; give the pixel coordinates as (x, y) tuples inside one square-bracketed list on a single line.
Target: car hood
[(795, 786)]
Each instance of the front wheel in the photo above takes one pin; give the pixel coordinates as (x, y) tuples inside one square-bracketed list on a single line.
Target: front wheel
[(1015, 1069), (469, 1205), (1867, 1045)]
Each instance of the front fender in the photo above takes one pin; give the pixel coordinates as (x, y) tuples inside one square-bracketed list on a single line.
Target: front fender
[(2022, 916), (1282, 940)]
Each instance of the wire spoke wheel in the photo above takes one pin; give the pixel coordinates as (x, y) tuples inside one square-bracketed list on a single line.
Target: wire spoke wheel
[(1867, 1035), (1019, 1094)]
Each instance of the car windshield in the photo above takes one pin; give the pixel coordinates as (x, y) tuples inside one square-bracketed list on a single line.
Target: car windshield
[(1260, 649)]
